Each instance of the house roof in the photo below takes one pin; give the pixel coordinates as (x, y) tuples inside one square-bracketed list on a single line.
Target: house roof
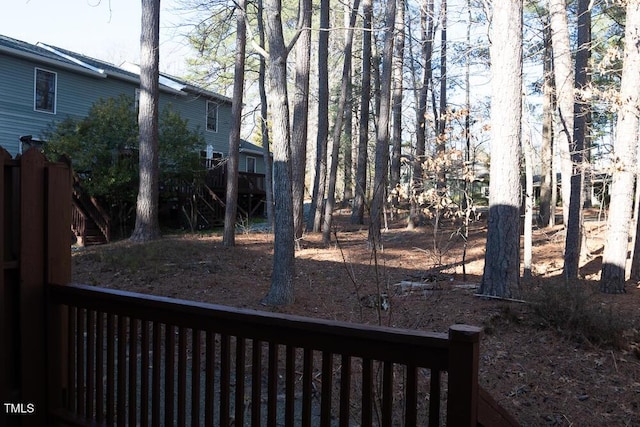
[(55, 56), (249, 148)]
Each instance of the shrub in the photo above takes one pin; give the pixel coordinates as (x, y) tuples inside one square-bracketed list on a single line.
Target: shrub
[(576, 312)]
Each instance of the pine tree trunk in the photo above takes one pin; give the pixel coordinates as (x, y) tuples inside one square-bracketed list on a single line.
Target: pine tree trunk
[(614, 258), (281, 290), (147, 224), (357, 214), (266, 150), (320, 178), (564, 84), (337, 130), (547, 210), (502, 256), (231, 205), (382, 134), (299, 128)]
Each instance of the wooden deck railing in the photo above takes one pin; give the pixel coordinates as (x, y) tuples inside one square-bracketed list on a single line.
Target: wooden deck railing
[(135, 359), (85, 207)]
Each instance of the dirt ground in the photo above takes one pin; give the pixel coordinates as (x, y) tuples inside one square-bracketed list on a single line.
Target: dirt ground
[(543, 372)]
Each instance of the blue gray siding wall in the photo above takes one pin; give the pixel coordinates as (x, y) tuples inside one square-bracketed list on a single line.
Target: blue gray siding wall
[(75, 94)]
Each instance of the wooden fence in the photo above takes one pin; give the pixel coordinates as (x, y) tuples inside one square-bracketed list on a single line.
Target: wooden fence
[(81, 355), (35, 213)]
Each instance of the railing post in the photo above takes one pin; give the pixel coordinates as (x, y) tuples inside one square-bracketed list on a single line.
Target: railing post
[(464, 353), (33, 376), (58, 271)]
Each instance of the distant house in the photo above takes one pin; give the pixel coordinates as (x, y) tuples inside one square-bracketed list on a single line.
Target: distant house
[(41, 84)]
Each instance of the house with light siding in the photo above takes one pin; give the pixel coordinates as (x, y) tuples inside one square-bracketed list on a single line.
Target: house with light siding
[(42, 84)]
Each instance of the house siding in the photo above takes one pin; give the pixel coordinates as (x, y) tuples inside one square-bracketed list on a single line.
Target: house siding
[(76, 93)]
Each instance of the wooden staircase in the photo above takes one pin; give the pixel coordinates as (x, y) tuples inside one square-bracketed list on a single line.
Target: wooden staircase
[(89, 222)]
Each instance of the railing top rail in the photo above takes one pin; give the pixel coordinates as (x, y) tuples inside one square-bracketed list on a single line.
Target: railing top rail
[(425, 349)]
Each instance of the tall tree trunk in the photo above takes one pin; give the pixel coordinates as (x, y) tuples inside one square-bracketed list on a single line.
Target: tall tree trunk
[(231, 207), (564, 84), (347, 195), (266, 149), (547, 208), (357, 214), (417, 181), (382, 134), (502, 256), (573, 240), (281, 290), (441, 140), (398, 73), (147, 224), (624, 153), (320, 179), (300, 118), (527, 149), (337, 129)]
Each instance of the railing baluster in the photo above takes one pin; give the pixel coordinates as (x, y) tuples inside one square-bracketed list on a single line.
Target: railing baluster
[(111, 371), (182, 376), (307, 386), (80, 361), (290, 385), (195, 378), (272, 386), (327, 388), (144, 374), (367, 392), (410, 396), (209, 390), (240, 378), (387, 393), (169, 374), (345, 390), (91, 366), (256, 383), (133, 371), (100, 396), (225, 386), (71, 380), (156, 385), (121, 401), (434, 397)]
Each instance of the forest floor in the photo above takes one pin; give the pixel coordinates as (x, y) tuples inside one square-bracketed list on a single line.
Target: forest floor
[(554, 355)]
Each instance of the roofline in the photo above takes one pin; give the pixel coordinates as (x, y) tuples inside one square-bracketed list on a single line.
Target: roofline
[(76, 64), (50, 61), (251, 151)]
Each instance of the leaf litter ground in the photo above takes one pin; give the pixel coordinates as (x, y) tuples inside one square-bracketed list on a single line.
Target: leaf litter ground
[(543, 372)]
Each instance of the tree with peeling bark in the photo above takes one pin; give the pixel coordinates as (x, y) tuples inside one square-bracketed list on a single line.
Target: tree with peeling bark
[(147, 224), (614, 258), (502, 256)]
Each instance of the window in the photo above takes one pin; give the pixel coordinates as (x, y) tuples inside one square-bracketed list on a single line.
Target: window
[(251, 164), (212, 116), (45, 91)]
